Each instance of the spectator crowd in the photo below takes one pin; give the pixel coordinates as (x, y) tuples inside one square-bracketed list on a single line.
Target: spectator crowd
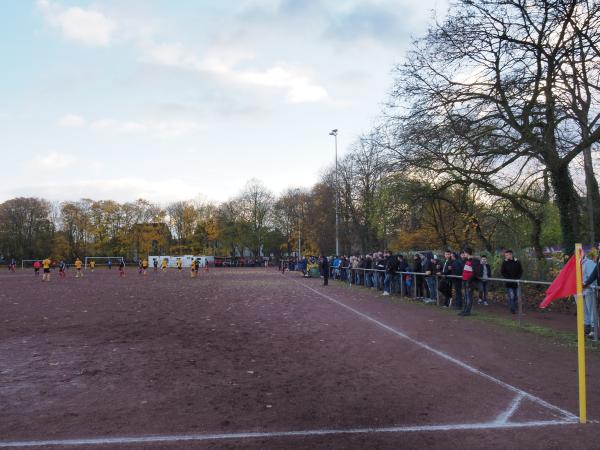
[(455, 280)]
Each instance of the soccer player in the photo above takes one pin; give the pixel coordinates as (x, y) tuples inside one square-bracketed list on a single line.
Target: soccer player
[(92, 265), (109, 264), (140, 267), (36, 268), (145, 266), (179, 265), (155, 264), (13, 265), (122, 268), (164, 265), (46, 265), (61, 269), (78, 274), (193, 269)]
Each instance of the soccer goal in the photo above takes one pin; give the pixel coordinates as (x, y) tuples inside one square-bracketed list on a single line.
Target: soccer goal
[(116, 260), (28, 263)]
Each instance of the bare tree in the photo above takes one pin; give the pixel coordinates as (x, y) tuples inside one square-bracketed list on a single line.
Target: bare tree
[(494, 69)]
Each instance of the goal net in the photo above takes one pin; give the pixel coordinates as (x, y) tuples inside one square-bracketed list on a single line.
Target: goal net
[(28, 263), (102, 260)]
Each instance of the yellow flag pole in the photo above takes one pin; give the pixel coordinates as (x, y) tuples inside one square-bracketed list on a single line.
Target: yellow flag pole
[(580, 336)]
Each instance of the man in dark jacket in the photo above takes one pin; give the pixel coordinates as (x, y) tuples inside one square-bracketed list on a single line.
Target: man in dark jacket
[(402, 267), (485, 272), (379, 264), (361, 271), (428, 270), (511, 269), (368, 271), (391, 267), (418, 268), (325, 269), (457, 270), (445, 285)]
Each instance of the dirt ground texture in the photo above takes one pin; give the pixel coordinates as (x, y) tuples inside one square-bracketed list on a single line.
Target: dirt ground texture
[(252, 351)]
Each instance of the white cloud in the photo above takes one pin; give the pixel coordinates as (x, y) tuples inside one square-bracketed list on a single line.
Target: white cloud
[(117, 126), (299, 86), (86, 26), (119, 189), (52, 161), (175, 128), (71, 120), (159, 128)]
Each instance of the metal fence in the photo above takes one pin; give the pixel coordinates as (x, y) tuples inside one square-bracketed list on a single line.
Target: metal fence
[(374, 278)]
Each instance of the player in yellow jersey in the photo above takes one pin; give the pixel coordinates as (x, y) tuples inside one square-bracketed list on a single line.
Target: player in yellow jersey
[(78, 273), (179, 265), (92, 265), (163, 265), (46, 266), (193, 269), (145, 266)]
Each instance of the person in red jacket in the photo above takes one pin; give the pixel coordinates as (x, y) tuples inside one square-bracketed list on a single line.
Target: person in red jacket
[(470, 277), (36, 268)]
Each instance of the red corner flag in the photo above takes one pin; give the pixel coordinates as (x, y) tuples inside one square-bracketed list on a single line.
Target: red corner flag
[(563, 285)]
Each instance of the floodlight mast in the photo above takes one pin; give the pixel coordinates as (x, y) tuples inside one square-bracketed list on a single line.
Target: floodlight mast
[(334, 133)]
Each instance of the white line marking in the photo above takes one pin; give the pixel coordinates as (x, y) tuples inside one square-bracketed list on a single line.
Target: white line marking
[(275, 434), (506, 415), (568, 415)]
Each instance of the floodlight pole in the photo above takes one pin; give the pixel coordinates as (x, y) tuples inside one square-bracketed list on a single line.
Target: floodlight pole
[(334, 133), (299, 236)]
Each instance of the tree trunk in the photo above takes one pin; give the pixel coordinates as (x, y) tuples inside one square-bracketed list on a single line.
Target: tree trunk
[(536, 232), (567, 201), (592, 197)]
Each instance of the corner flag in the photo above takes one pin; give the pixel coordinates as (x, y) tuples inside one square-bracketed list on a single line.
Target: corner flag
[(570, 282), (564, 285)]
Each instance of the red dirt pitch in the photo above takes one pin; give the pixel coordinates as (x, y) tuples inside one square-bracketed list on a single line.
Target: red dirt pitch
[(248, 358)]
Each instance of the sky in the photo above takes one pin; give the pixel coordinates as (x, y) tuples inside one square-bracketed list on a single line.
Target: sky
[(189, 99)]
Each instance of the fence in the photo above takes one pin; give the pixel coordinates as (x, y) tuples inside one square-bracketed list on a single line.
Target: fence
[(375, 278)]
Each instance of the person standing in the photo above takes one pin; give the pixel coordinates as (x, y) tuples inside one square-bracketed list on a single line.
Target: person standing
[(36, 268), (428, 269), (485, 272), (145, 266), (369, 276), (155, 264), (92, 265), (446, 282), (470, 279), (122, 268), (418, 268), (61, 269), (109, 264), (78, 273), (457, 282), (590, 275), (402, 267), (391, 267), (164, 264), (179, 265), (325, 269), (46, 266), (511, 270)]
